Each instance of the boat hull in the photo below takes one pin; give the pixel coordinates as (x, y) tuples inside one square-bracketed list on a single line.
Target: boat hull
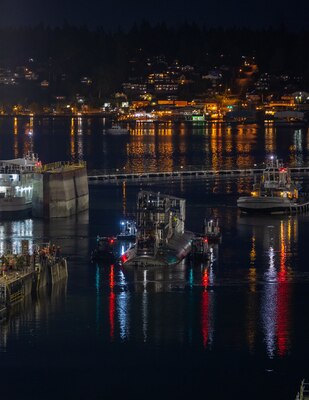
[(264, 205), (15, 206), (176, 250)]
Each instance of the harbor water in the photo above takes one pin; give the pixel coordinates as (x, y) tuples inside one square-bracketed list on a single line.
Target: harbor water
[(236, 328)]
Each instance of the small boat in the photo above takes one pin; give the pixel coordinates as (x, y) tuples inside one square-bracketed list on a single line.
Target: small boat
[(128, 230), (199, 249), (274, 194), (105, 249), (117, 130), (212, 231)]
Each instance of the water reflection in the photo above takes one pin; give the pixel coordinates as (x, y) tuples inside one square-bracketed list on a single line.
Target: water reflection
[(155, 146), (12, 234), (152, 305), (274, 240), (31, 314)]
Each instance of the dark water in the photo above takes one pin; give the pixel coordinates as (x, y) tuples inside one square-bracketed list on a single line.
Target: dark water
[(238, 329)]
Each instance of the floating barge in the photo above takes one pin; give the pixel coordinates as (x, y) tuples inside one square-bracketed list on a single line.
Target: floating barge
[(161, 239)]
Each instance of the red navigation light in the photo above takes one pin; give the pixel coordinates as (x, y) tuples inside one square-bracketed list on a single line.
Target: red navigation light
[(123, 258)]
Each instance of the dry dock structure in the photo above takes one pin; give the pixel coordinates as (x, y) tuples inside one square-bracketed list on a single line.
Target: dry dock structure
[(60, 190)]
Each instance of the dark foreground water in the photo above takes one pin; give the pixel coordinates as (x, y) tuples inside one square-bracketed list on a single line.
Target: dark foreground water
[(238, 329)]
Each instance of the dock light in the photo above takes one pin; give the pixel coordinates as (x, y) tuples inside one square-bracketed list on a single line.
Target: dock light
[(122, 223)]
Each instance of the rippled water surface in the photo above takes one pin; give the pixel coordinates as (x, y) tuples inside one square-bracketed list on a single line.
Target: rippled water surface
[(237, 328)]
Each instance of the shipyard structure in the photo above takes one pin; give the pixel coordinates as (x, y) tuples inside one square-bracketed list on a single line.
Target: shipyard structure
[(161, 238), (60, 190), (47, 191), (22, 275)]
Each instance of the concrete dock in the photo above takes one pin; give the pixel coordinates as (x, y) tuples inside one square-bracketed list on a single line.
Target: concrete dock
[(37, 271), (60, 190)]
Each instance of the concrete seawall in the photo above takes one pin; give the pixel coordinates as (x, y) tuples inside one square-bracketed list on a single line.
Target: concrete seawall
[(60, 192)]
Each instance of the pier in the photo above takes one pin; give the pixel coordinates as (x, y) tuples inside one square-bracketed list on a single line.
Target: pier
[(24, 274), (192, 172)]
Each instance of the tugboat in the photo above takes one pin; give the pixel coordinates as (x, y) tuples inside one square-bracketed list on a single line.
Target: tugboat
[(274, 194), (105, 249), (212, 230), (128, 230), (202, 243), (161, 239), (200, 250)]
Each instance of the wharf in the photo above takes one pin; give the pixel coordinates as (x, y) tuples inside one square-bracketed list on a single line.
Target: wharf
[(36, 272), (193, 172)]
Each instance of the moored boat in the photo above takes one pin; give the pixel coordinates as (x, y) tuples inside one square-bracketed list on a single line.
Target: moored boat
[(105, 249), (16, 185), (274, 194), (161, 239), (128, 230), (117, 130), (212, 231)]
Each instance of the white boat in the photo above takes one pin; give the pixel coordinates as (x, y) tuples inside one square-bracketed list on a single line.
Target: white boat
[(16, 184), (117, 130), (274, 194)]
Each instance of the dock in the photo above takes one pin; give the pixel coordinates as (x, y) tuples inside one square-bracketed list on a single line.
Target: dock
[(24, 274), (191, 172)]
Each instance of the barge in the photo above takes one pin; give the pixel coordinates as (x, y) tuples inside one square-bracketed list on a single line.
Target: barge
[(161, 239)]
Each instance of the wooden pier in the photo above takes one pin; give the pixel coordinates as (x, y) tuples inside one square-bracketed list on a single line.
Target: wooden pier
[(193, 173)]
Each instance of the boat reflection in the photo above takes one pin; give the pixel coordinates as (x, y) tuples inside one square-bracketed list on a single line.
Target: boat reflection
[(154, 305), (273, 240)]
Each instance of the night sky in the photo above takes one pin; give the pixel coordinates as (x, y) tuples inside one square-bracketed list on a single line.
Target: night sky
[(112, 14)]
